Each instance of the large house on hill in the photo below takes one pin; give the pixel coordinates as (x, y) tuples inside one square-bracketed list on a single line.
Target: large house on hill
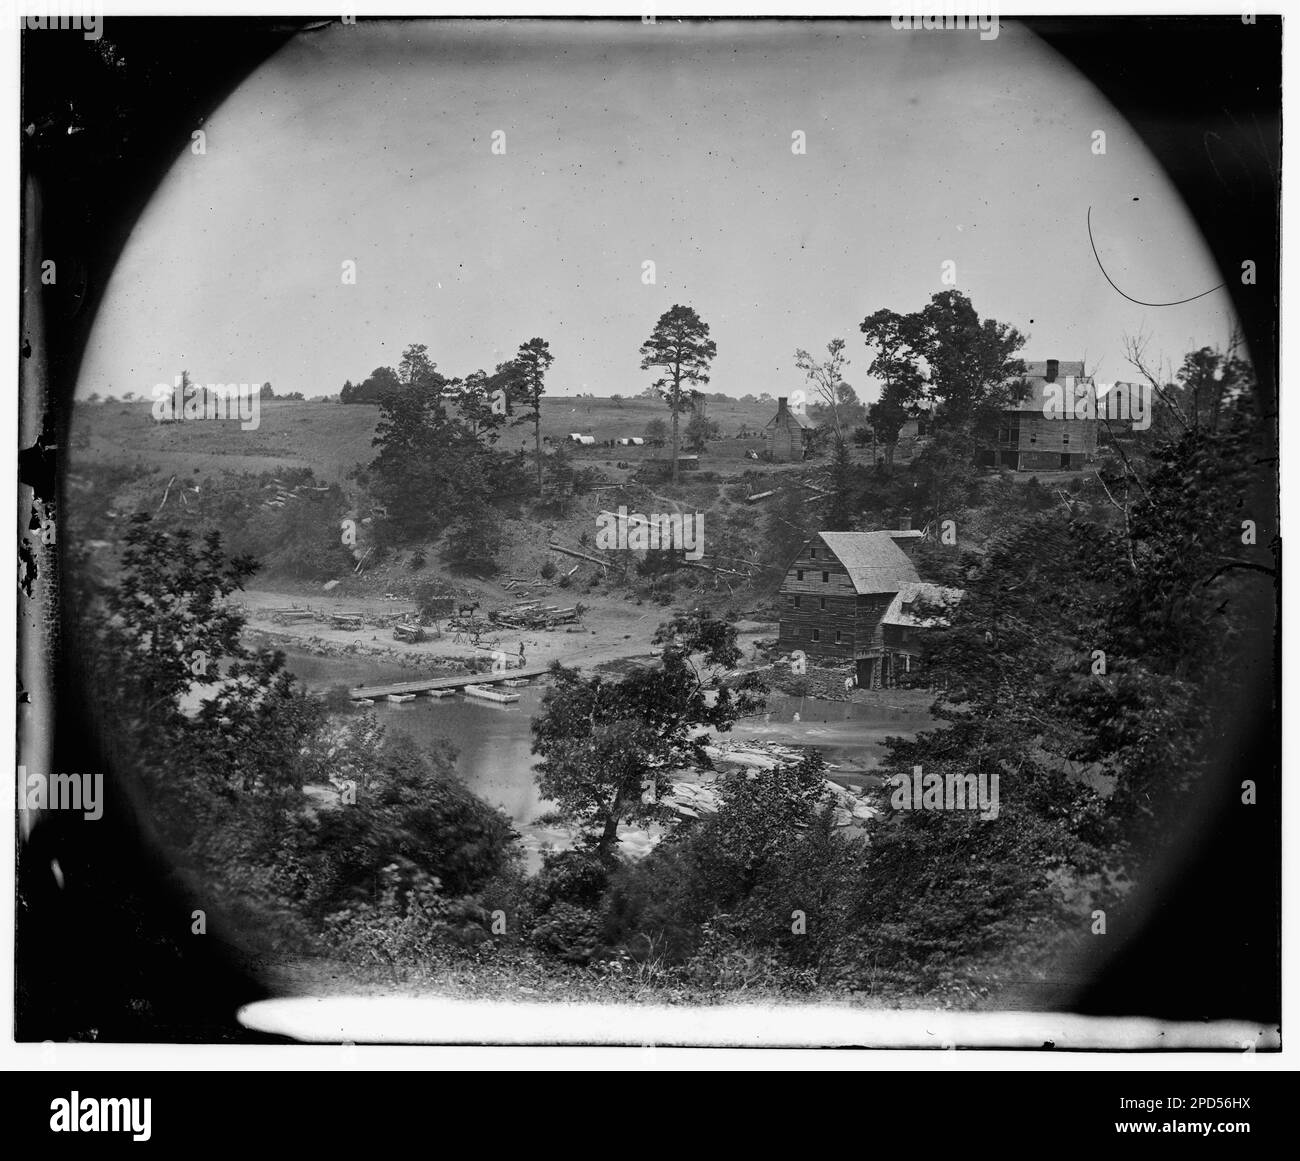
[(853, 596), (1031, 437)]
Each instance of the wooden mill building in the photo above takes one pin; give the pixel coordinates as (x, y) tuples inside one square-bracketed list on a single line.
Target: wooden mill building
[(856, 597), (789, 432)]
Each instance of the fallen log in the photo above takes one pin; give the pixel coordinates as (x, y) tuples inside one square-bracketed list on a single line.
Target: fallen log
[(579, 555)]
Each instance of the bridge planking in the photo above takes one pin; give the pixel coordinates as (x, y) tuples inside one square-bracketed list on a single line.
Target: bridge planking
[(428, 683)]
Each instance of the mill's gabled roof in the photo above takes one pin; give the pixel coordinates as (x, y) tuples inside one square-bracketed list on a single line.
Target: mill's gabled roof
[(874, 561)]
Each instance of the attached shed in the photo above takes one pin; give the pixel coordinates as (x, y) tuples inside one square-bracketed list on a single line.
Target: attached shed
[(896, 648)]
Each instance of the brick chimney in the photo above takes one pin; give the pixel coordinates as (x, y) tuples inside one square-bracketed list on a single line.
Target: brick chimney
[(1053, 369), (780, 407)]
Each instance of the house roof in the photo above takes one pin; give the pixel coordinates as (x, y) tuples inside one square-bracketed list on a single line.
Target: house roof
[(899, 614), (799, 418), (1068, 372), (874, 561)]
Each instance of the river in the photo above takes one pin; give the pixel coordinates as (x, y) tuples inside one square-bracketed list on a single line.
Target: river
[(493, 742)]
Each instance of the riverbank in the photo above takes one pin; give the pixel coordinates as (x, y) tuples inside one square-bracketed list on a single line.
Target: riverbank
[(493, 743)]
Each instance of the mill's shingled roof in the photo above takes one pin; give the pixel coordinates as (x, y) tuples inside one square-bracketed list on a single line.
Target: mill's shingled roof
[(874, 561)]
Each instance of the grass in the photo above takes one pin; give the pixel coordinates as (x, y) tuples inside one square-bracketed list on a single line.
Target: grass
[(333, 438)]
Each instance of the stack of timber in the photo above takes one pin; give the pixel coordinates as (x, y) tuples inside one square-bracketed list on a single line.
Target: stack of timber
[(294, 616), (534, 615)]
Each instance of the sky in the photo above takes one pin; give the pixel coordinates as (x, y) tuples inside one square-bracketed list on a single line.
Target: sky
[(625, 144)]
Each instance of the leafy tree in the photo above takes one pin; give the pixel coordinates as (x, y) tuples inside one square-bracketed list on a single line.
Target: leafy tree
[(420, 472), (603, 743), (699, 430), (887, 415), (656, 431), (756, 822), (559, 478), (843, 482), (533, 361), (971, 371), (680, 347), (479, 405), (473, 537), (379, 384), (163, 633), (720, 874), (417, 370), (167, 612)]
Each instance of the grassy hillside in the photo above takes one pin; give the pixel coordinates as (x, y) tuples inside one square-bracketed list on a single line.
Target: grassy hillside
[(332, 438), (214, 474)]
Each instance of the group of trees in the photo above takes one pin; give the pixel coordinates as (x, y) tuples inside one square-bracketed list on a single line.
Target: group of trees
[(220, 741), (946, 358), (438, 471), (426, 417), (267, 392), (942, 358)]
